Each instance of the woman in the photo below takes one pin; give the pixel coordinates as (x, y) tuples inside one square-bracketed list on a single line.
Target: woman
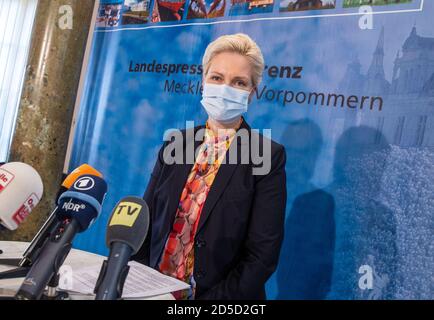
[(217, 223)]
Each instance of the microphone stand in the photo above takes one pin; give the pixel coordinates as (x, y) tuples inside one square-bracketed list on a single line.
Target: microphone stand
[(52, 293), (32, 252)]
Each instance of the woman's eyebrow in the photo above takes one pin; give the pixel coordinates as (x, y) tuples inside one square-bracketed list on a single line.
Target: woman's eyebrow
[(241, 78), (217, 73)]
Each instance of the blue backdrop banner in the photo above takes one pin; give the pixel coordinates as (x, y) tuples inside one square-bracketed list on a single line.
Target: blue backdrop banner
[(348, 89)]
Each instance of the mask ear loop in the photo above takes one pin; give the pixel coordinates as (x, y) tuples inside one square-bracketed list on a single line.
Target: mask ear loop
[(251, 95)]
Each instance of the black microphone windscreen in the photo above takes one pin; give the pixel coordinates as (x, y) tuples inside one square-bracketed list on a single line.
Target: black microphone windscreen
[(129, 223)]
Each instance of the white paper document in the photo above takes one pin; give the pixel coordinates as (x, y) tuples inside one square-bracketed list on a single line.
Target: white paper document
[(142, 281)]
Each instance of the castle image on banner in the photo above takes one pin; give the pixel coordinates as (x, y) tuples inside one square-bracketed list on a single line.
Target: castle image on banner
[(407, 117)]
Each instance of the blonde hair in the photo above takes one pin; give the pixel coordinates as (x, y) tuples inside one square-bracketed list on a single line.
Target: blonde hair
[(239, 43)]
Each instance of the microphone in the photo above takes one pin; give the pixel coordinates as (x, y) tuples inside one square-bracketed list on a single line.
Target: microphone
[(74, 175), (126, 232), (32, 250), (78, 208), (21, 190)]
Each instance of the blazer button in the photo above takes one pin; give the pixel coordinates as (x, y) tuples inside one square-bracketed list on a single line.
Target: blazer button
[(200, 274), (200, 243)]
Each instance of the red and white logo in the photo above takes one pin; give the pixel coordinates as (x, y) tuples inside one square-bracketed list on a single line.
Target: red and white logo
[(25, 209), (5, 178)]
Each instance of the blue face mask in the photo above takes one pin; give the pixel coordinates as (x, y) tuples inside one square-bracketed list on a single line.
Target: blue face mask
[(224, 103)]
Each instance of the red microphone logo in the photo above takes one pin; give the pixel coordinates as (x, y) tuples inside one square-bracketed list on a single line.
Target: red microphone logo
[(25, 209), (5, 178)]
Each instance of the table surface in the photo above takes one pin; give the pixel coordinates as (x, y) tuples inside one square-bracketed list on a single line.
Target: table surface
[(76, 259)]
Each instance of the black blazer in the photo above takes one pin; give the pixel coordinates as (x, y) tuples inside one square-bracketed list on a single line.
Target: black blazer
[(240, 230)]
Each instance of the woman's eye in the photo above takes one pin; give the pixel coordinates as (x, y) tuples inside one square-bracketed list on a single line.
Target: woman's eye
[(240, 84), (215, 78)]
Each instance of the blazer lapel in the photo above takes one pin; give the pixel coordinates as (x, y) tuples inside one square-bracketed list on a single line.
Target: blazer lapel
[(222, 178), (179, 176), (181, 171), (219, 185)]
